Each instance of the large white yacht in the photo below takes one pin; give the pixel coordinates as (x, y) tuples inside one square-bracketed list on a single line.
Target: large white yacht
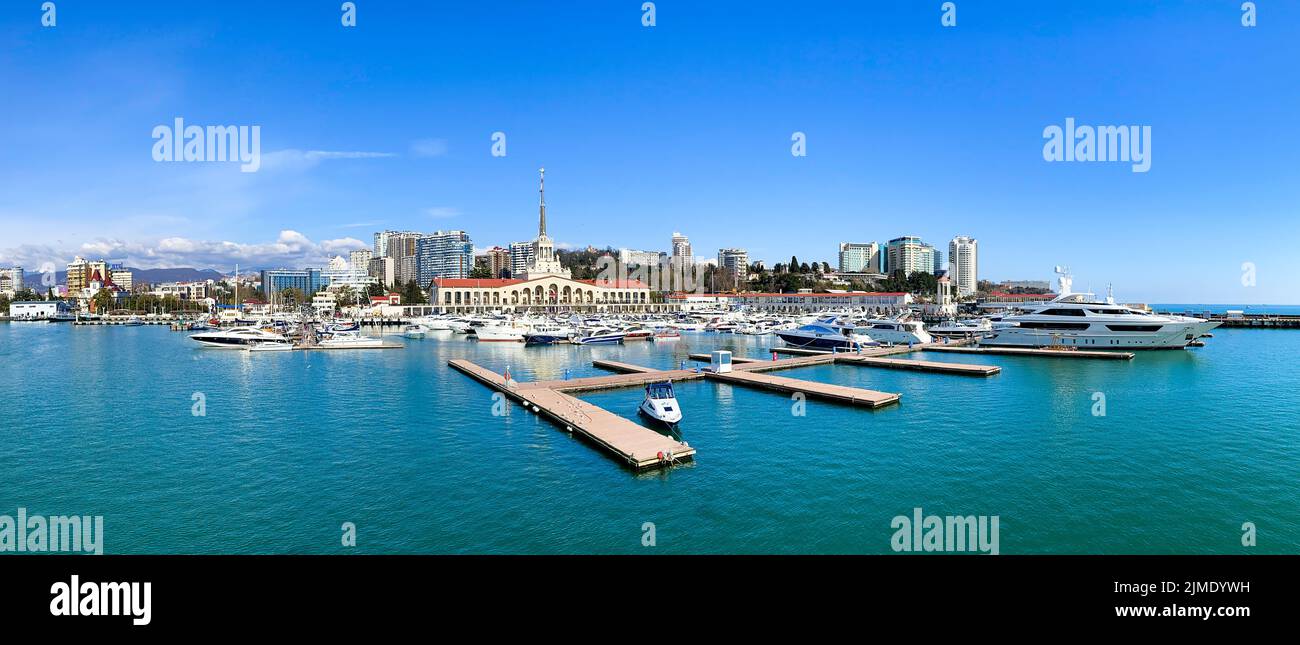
[(238, 338), (1080, 320)]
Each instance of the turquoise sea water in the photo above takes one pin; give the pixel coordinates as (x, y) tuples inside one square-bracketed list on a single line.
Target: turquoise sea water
[(1276, 310), (98, 421)]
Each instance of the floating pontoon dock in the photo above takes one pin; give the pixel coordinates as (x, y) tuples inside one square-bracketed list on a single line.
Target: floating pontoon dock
[(811, 389), (639, 447)]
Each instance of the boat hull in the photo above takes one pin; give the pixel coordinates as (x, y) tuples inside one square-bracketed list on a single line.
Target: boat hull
[(544, 339), (233, 343), (1178, 335), (599, 340), (820, 342)]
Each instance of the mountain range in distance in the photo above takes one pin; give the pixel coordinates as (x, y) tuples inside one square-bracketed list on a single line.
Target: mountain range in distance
[(151, 276)]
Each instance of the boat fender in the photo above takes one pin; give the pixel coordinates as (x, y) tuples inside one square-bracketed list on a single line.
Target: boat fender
[(660, 455)]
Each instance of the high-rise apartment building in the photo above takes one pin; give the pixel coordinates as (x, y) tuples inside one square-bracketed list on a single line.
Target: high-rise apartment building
[(497, 260), (383, 269), (81, 272), (910, 255), (407, 269), (360, 259), (639, 258), (735, 262), (860, 258), (963, 264), (521, 255), (443, 254), (11, 281), (682, 248), (308, 281)]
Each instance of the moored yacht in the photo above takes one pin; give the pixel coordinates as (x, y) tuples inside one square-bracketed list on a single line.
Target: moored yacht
[(827, 332), (548, 334), (350, 340), (1073, 320), (961, 328), (600, 336), (237, 338), (895, 331), (499, 333)]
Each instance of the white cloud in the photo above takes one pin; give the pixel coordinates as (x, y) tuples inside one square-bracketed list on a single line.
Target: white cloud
[(292, 159), (442, 212), (290, 248), (429, 147)]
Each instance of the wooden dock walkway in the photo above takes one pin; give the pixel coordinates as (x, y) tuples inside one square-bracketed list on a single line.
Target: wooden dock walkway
[(639, 447), (628, 378), (1029, 351), (867, 358), (811, 389), (783, 364), (964, 369), (734, 359), (626, 368)]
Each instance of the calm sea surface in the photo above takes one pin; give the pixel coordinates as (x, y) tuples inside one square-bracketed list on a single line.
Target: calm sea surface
[(1276, 310), (98, 421)]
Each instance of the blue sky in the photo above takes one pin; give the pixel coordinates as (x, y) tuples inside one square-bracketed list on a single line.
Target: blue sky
[(912, 129)]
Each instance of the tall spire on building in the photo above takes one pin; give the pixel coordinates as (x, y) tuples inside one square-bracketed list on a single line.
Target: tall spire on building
[(541, 225), (544, 261)]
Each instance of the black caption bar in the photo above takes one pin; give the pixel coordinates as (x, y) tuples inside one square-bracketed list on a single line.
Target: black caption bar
[(159, 594)]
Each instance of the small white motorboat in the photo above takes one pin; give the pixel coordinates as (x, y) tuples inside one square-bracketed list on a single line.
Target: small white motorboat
[(413, 331), (660, 404), (666, 335)]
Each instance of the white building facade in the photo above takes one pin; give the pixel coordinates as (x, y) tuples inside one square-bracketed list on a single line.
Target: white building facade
[(11, 281), (859, 257)]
